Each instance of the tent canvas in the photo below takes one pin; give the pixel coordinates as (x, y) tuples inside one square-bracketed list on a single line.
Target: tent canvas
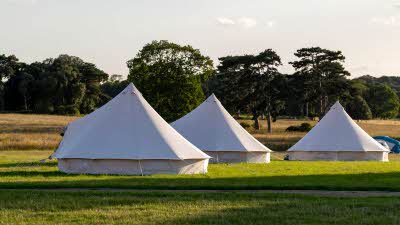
[(337, 137), (212, 129), (127, 136)]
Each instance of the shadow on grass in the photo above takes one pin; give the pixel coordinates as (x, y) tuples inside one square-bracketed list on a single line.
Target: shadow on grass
[(54, 179), (305, 211), (210, 208), (35, 174)]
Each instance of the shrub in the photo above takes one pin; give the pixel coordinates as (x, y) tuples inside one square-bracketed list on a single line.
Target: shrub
[(292, 129), (60, 110), (43, 107), (72, 110), (67, 110), (245, 125), (304, 127)]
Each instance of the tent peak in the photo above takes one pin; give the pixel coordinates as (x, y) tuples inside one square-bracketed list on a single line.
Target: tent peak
[(337, 105), (212, 98), (131, 89)]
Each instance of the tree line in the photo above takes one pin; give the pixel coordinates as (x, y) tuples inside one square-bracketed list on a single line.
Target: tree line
[(175, 79), (64, 85)]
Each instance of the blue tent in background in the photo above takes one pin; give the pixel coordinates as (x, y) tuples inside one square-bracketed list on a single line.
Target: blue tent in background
[(393, 144)]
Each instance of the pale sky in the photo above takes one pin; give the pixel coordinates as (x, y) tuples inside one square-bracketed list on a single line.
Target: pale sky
[(110, 32)]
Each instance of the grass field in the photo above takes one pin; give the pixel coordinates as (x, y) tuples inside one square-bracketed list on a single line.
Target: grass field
[(34, 207), (25, 132), (37, 132), (21, 169), (26, 139)]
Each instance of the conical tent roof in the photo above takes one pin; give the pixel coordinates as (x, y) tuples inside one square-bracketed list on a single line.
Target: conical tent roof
[(211, 128), (337, 132), (127, 127)]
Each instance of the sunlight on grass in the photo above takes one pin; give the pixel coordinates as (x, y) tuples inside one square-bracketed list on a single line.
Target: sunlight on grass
[(21, 169)]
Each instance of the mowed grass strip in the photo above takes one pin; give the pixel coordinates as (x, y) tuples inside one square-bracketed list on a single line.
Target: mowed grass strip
[(21, 169), (39, 207)]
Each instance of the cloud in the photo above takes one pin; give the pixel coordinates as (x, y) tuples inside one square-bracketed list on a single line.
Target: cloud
[(247, 22), (225, 21), (387, 21), (244, 22)]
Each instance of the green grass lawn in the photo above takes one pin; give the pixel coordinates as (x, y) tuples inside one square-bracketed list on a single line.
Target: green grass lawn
[(40, 207), (20, 169)]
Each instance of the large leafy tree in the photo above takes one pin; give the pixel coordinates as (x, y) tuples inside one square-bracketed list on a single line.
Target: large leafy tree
[(113, 87), (91, 77), (322, 74), (354, 101), (251, 82), (9, 66), (18, 91), (392, 81), (383, 101), (72, 86), (170, 77), (303, 88), (64, 85), (359, 109)]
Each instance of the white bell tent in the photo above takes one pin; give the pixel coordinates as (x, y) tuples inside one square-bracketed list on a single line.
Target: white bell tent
[(338, 137), (212, 129), (127, 136)]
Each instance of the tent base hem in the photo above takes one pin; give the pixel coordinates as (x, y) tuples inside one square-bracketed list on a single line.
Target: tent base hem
[(238, 157), (338, 156), (132, 167)]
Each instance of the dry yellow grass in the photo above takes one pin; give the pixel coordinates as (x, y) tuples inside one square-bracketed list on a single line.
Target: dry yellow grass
[(37, 132), (22, 132)]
